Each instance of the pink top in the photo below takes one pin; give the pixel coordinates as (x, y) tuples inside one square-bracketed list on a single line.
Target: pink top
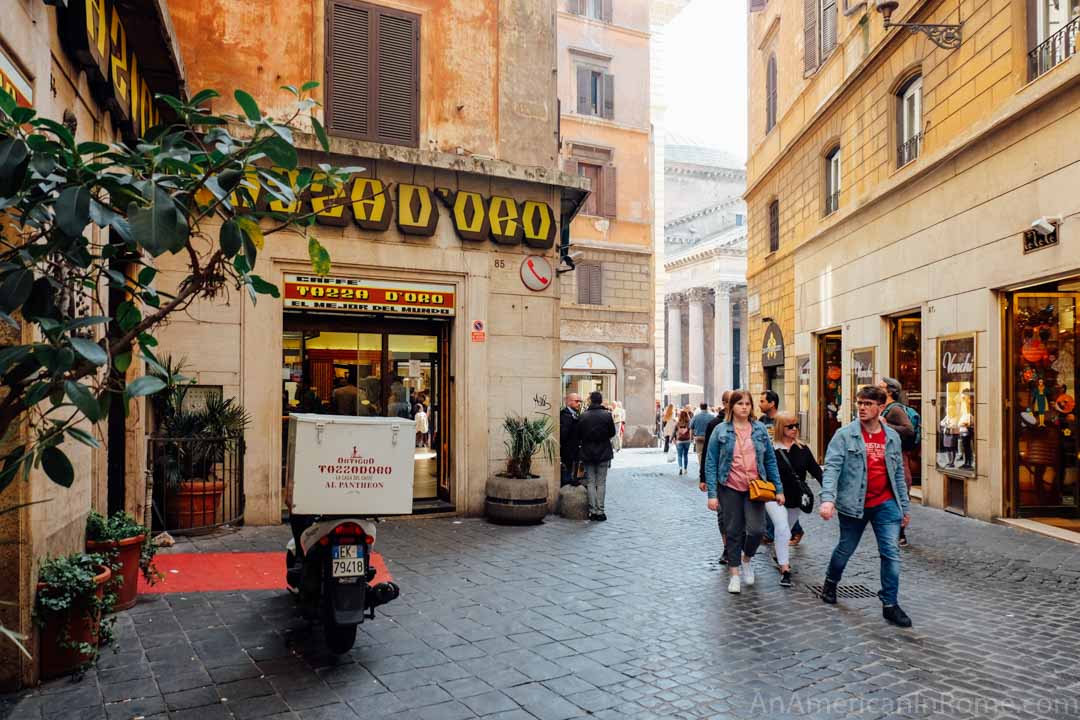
[(743, 461)]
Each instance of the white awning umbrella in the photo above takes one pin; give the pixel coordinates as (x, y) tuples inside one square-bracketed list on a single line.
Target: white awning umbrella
[(677, 387)]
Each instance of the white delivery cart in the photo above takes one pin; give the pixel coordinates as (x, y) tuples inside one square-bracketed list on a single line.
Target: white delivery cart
[(342, 465)]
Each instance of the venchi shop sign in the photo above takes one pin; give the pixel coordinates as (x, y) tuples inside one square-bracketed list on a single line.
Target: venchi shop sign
[(312, 292)]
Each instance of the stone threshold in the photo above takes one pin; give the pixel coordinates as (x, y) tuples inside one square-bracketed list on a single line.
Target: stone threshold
[(1042, 529)]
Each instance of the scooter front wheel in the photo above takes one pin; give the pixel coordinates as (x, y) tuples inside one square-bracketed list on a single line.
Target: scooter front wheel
[(339, 638)]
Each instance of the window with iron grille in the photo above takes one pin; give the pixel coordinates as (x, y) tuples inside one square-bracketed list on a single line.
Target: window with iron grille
[(909, 121), (1053, 27), (770, 94), (590, 283), (832, 180), (774, 225), (372, 73)]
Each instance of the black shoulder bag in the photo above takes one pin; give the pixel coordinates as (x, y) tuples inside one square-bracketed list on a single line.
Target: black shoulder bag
[(806, 495)]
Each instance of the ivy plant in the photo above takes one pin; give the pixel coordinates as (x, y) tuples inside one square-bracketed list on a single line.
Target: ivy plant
[(121, 526), (67, 584), (81, 219)]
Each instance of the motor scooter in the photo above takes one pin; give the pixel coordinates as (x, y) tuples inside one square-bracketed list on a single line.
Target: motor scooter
[(331, 575)]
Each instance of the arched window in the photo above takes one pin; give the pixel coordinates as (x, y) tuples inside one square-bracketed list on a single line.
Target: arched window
[(770, 95)]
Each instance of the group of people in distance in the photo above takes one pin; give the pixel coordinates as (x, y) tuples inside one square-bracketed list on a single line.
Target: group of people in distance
[(755, 468)]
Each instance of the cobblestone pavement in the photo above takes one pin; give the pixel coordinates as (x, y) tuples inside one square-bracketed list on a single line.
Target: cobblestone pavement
[(623, 619)]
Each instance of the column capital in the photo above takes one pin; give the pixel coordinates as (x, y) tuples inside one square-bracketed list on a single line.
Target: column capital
[(699, 294), (675, 299), (724, 288)]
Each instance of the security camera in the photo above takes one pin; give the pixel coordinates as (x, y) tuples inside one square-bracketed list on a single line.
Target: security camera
[(576, 255), (1044, 225)]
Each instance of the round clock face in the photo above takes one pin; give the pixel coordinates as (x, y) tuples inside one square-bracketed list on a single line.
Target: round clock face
[(537, 273)]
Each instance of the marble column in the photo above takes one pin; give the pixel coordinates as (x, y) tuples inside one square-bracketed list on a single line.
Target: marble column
[(722, 332), (674, 337), (698, 298), (744, 345)]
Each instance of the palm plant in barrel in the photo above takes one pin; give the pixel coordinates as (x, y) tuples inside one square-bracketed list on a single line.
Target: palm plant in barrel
[(517, 496)]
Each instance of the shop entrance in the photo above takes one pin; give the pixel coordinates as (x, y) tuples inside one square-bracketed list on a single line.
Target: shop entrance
[(375, 367), (1042, 374), (589, 372), (906, 366), (830, 387)]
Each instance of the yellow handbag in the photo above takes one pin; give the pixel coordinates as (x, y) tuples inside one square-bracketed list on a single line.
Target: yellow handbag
[(762, 491)]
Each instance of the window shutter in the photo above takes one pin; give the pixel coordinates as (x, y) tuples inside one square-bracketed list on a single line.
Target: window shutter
[(609, 96), (577, 7), (584, 280), (607, 11), (774, 226), (584, 83), (810, 33), (608, 197), (398, 98), (770, 94), (828, 26), (349, 74), (596, 286)]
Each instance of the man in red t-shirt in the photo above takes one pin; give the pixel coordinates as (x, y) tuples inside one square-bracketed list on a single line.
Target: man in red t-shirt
[(864, 484)]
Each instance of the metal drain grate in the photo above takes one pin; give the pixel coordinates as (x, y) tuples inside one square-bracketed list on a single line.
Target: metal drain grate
[(849, 592)]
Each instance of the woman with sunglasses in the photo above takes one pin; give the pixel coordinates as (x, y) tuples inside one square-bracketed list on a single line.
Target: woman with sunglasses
[(794, 460)]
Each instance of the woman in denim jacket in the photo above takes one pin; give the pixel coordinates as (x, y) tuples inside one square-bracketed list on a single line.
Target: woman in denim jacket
[(740, 450)]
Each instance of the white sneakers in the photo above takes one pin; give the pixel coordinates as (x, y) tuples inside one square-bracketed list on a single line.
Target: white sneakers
[(734, 585), (747, 574)]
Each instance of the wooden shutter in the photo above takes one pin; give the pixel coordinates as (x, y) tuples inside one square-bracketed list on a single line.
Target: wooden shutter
[(774, 226), (810, 33), (584, 87), (590, 280), (828, 27), (609, 97), (608, 198), (398, 98), (607, 11), (770, 94), (349, 71)]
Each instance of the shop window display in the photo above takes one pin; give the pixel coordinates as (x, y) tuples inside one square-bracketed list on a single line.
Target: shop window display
[(956, 404)]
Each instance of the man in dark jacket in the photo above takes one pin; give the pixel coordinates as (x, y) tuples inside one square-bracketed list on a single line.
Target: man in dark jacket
[(701, 466), (568, 438), (594, 431)]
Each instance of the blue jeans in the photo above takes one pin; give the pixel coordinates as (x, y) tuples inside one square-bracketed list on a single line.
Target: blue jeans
[(886, 521), (682, 449)]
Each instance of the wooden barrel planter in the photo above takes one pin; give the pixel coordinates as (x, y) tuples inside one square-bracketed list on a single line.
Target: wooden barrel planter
[(128, 551), (64, 633), (516, 501)]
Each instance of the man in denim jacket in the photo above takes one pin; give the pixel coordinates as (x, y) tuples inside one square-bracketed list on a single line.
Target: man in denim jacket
[(864, 484)]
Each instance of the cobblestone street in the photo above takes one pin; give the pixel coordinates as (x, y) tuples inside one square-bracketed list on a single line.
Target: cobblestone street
[(624, 619)]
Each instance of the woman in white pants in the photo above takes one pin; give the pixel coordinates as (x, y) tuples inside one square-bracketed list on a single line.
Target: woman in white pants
[(793, 460)]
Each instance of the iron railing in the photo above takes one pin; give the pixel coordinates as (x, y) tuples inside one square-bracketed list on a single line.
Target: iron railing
[(832, 202), (198, 483), (1054, 50), (908, 150)]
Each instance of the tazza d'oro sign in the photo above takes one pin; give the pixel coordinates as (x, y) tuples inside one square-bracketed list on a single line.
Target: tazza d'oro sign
[(372, 205), (311, 292)]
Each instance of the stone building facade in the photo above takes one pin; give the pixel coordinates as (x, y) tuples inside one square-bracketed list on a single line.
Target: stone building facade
[(911, 215), (705, 270)]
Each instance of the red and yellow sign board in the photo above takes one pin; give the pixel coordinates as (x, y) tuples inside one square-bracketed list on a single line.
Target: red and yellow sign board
[(311, 292), (14, 83)]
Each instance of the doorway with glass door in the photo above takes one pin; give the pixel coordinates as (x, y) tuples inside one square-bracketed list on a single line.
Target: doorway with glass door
[(906, 366), (1043, 454), (374, 367)]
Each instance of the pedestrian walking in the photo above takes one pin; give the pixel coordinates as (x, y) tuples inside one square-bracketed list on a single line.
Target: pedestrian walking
[(595, 429), (896, 416), (669, 425), (618, 416), (719, 418), (740, 476), (683, 437), (568, 439), (769, 406), (863, 483), (698, 423), (793, 460)]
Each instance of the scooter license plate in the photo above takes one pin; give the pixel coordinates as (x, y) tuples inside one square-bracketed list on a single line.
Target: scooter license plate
[(346, 561)]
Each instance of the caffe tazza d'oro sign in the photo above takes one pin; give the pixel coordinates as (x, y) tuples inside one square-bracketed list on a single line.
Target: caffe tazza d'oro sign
[(311, 292)]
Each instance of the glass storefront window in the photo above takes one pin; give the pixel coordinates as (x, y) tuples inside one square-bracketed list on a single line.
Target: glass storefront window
[(956, 404), (862, 373)]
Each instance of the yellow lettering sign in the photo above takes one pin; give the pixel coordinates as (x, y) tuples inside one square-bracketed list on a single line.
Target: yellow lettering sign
[(329, 207), (121, 80), (416, 211), (504, 219), (538, 223), (371, 205)]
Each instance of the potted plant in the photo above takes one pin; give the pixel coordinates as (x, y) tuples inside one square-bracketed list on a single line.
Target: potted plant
[(517, 496), (190, 449), (129, 549), (73, 602)]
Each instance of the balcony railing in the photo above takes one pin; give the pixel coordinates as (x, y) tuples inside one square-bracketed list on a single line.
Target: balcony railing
[(908, 150), (832, 202), (1055, 50)]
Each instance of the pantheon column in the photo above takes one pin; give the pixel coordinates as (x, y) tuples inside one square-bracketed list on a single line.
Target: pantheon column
[(698, 298), (674, 337), (722, 332)]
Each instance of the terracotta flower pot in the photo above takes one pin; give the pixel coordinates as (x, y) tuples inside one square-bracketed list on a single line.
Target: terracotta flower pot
[(78, 624), (194, 504), (127, 552)]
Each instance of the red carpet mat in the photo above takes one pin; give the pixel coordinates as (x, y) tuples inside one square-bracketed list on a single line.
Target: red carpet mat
[(217, 572)]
